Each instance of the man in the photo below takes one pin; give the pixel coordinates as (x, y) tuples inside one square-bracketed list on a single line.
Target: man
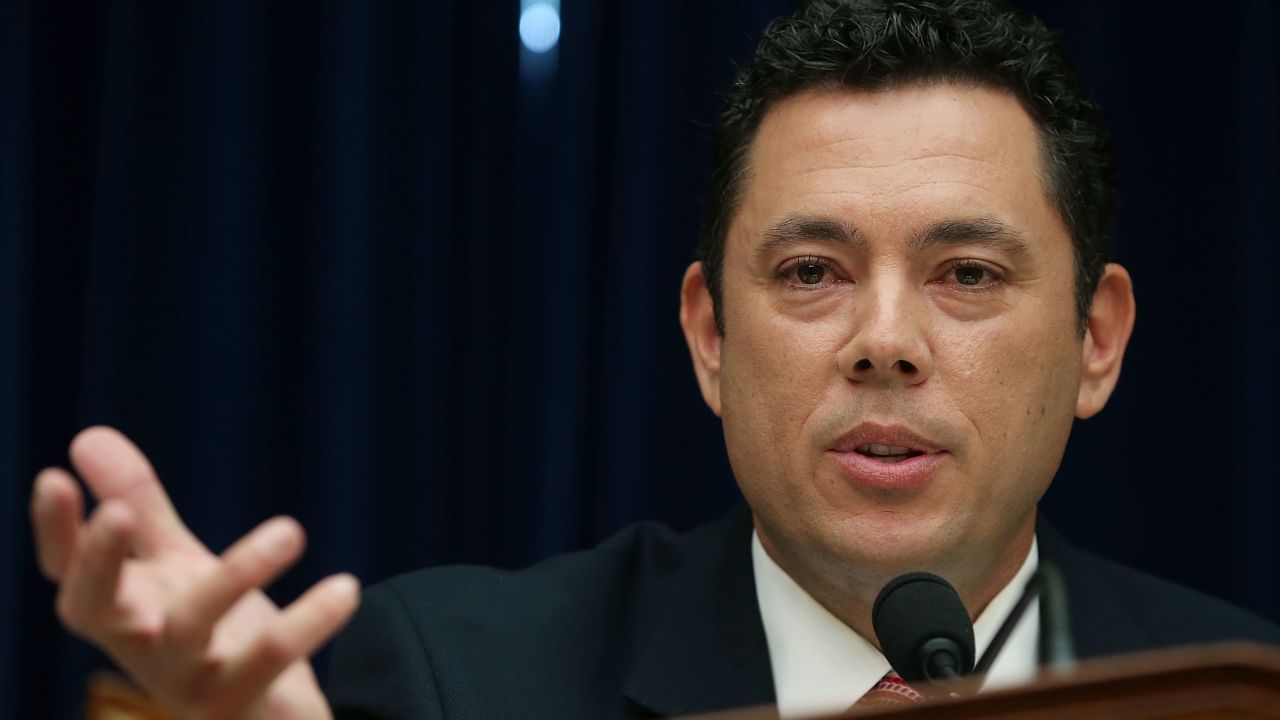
[(902, 304)]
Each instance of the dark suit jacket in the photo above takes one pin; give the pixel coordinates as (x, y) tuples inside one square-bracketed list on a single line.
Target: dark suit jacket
[(652, 623)]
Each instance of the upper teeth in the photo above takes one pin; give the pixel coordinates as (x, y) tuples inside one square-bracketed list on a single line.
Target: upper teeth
[(875, 449)]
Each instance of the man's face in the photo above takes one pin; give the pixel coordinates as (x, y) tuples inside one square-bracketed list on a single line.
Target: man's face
[(901, 358)]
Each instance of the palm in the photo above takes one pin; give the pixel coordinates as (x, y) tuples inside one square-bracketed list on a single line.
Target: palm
[(149, 587), (190, 626)]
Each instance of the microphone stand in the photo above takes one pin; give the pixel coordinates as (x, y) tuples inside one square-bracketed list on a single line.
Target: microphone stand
[(1056, 649)]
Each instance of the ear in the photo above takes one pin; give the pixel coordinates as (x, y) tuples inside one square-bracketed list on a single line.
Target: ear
[(1107, 335), (698, 319)]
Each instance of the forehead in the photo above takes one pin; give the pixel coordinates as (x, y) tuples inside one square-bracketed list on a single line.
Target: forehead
[(919, 152)]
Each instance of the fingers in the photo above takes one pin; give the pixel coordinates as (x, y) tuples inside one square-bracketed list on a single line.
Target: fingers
[(113, 467), (298, 632), (87, 597), (57, 508), (254, 561), (163, 593)]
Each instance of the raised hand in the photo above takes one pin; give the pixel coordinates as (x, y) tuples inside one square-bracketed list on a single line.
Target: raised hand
[(193, 628)]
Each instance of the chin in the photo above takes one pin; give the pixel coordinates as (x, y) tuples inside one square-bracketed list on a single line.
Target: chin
[(894, 542)]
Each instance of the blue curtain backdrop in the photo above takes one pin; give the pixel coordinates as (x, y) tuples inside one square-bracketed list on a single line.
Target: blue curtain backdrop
[(376, 266)]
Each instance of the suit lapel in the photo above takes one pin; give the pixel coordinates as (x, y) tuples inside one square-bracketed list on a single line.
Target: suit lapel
[(702, 645), (1101, 623)]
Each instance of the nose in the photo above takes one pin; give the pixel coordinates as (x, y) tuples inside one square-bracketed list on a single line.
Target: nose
[(889, 343)]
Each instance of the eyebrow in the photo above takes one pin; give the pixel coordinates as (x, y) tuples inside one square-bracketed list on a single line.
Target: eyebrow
[(976, 231), (794, 230), (980, 231)]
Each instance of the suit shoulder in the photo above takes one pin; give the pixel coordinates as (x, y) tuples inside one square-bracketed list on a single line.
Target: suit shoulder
[(1173, 614), (633, 557), (594, 603), (556, 639)]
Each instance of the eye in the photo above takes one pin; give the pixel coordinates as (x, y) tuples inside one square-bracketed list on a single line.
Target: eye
[(971, 275), (808, 273)]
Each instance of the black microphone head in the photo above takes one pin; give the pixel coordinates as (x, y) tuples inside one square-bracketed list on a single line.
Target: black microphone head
[(923, 628)]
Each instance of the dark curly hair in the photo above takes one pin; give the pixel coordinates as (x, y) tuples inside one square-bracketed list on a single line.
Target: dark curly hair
[(882, 44)]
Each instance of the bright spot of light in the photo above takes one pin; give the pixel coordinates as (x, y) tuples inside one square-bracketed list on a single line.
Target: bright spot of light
[(540, 27)]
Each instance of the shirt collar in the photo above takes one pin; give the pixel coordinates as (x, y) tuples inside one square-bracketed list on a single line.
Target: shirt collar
[(820, 665)]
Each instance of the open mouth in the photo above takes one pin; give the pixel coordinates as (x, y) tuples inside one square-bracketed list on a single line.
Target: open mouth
[(887, 453)]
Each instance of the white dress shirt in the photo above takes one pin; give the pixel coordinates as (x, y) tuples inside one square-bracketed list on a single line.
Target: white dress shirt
[(820, 665)]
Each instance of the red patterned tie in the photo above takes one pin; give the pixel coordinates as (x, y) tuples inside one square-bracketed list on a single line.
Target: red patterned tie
[(892, 691)]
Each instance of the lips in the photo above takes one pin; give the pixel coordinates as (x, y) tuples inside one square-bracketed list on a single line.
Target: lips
[(887, 453), (887, 457)]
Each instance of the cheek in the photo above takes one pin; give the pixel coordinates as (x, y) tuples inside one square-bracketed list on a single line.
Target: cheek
[(1016, 382), (775, 372), (772, 370)]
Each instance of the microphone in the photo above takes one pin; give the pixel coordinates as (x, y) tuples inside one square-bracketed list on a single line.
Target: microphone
[(923, 628)]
